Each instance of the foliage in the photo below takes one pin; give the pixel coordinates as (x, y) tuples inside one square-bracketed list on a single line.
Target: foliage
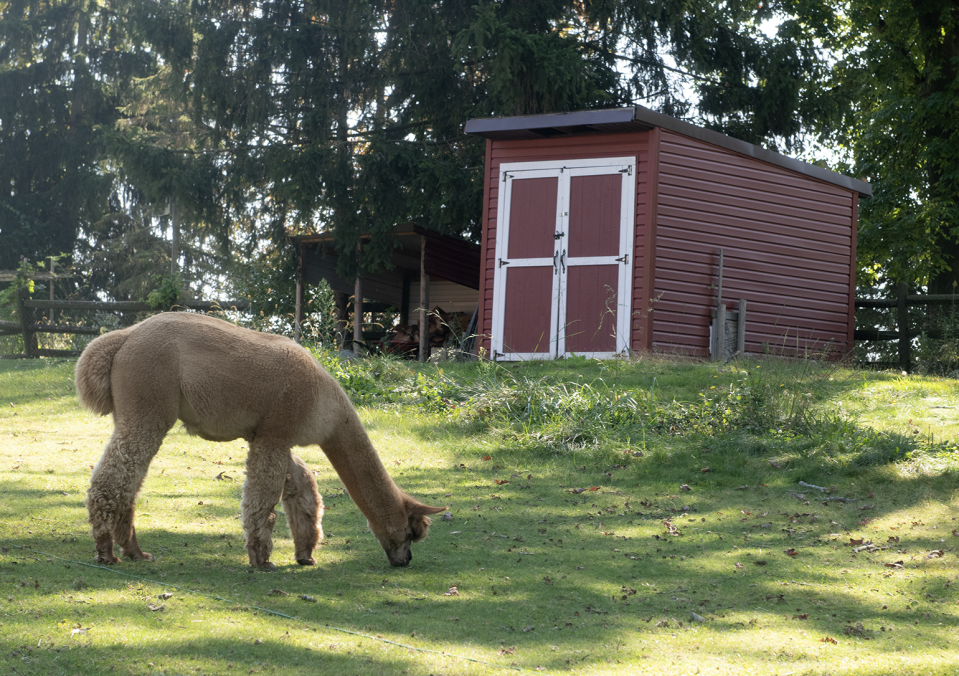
[(167, 292), (897, 66)]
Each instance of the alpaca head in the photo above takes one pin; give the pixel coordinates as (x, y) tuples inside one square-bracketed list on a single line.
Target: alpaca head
[(411, 527)]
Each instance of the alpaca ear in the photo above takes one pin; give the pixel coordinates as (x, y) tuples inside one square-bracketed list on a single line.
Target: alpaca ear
[(419, 509)]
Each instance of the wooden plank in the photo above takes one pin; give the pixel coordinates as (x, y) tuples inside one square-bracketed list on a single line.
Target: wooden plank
[(61, 328), (132, 306)]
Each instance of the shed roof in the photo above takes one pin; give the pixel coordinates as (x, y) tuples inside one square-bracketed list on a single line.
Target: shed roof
[(444, 257), (638, 118)]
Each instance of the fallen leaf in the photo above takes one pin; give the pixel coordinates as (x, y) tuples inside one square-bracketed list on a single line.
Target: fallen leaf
[(760, 563), (277, 592), (154, 609), (529, 628), (738, 565), (829, 639), (501, 482), (78, 630), (453, 591), (685, 487), (935, 554), (487, 458), (775, 464), (578, 490), (791, 552), (223, 476), (705, 469), (897, 564), (165, 596), (854, 542), (696, 618), (804, 616), (308, 599)]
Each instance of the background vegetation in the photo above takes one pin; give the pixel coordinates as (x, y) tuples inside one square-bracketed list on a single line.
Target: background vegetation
[(258, 119)]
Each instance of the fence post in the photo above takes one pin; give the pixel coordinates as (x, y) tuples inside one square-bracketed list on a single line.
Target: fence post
[(905, 343), (29, 335)]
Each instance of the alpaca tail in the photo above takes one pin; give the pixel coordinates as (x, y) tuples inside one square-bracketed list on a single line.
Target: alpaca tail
[(92, 376)]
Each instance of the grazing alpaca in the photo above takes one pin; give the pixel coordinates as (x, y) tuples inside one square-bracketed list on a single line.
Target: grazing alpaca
[(225, 382)]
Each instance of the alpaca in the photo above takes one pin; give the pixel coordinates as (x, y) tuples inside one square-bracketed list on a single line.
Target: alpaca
[(225, 382)]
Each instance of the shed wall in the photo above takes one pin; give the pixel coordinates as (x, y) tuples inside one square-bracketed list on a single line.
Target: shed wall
[(566, 148), (788, 241)]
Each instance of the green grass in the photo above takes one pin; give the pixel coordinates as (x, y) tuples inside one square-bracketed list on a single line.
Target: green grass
[(548, 576)]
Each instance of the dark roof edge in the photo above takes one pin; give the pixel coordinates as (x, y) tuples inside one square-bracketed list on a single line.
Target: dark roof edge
[(644, 118)]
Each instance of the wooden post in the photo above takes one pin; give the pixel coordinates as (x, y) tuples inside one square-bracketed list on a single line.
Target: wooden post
[(902, 321), (26, 325), (175, 236), (424, 304), (358, 316), (52, 277), (719, 320), (300, 312), (741, 328)]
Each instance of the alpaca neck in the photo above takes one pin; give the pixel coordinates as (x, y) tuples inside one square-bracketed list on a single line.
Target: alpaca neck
[(359, 467)]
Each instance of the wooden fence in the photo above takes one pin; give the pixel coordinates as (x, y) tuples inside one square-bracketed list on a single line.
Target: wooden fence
[(29, 329), (903, 333)]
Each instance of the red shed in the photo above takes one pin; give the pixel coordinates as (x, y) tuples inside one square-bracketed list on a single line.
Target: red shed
[(618, 230)]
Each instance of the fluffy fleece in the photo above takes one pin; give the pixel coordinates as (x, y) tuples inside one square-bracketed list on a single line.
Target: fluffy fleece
[(225, 382)]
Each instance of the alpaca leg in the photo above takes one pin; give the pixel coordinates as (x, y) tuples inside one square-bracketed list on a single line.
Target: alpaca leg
[(266, 468), (114, 485), (304, 510)]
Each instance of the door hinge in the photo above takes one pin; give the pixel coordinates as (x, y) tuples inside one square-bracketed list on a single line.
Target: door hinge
[(502, 262), (623, 259), (505, 176), (628, 170), (559, 235)]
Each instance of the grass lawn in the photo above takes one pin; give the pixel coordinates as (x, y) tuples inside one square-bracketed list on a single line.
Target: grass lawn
[(607, 518)]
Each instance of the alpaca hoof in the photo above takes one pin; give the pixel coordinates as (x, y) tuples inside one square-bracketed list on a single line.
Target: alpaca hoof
[(106, 559), (307, 562), (267, 567), (142, 556)]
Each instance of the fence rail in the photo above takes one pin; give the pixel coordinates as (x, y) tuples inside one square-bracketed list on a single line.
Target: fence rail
[(29, 330), (903, 333)]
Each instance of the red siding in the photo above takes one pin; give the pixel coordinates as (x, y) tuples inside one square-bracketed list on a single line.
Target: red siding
[(529, 293), (534, 213), (591, 308), (787, 242)]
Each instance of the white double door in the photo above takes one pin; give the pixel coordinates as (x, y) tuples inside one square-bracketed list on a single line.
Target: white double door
[(564, 245)]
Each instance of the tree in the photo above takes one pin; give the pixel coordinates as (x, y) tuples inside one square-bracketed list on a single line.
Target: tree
[(64, 66), (900, 68)]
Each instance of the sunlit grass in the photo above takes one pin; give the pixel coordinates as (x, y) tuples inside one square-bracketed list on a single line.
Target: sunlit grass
[(583, 538)]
